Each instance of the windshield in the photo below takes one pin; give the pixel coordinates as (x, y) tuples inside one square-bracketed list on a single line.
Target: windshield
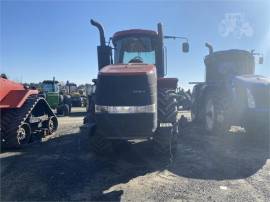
[(135, 50), (49, 87)]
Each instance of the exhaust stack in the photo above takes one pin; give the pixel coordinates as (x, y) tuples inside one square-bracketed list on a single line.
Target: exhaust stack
[(104, 51), (210, 48), (101, 31)]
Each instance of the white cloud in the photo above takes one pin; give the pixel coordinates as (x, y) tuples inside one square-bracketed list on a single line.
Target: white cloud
[(235, 24)]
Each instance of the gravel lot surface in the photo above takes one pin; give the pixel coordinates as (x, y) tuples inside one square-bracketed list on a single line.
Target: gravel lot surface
[(206, 168)]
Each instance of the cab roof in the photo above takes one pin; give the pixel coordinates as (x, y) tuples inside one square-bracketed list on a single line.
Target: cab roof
[(230, 52), (132, 32)]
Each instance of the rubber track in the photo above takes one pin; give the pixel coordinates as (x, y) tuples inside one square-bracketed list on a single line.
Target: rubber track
[(12, 119)]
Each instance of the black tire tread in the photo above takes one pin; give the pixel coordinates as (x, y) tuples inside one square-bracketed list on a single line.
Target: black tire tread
[(98, 144), (165, 138)]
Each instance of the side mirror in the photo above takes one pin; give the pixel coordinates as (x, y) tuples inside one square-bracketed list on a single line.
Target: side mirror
[(185, 47), (260, 60)]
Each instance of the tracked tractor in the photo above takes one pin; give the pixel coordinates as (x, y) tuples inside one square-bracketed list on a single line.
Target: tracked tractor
[(133, 98), (232, 95), (24, 114)]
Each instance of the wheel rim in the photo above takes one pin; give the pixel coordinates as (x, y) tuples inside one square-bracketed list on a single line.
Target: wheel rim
[(23, 134), (52, 125), (210, 115)]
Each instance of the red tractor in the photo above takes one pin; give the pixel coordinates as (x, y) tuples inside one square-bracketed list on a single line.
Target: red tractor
[(132, 97), (23, 114)]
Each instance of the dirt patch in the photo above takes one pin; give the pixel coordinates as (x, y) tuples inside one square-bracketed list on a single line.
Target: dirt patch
[(206, 168)]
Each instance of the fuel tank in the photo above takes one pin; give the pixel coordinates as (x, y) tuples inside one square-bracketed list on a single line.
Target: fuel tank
[(126, 100)]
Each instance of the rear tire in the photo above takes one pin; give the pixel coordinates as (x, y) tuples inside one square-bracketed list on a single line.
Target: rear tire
[(166, 140), (63, 110), (215, 115), (197, 104), (66, 110), (98, 143)]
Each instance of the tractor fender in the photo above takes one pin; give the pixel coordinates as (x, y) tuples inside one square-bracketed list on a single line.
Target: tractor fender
[(252, 92), (16, 98), (13, 95), (167, 83)]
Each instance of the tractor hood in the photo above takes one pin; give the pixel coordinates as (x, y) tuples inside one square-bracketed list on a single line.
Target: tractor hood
[(253, 81), (128, 69), (126, 99), (126, 85)]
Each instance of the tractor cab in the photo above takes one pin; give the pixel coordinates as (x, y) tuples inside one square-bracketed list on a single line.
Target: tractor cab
[(50, 90), (139, 46), (56, 97), (50, 86), (135, 46), (71, 87), (223, 65)]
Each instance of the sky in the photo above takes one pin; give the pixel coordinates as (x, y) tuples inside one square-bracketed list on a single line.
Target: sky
[(42, 39)]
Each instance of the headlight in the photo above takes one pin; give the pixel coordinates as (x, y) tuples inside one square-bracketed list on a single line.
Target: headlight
[(250, 99), (125, 109)]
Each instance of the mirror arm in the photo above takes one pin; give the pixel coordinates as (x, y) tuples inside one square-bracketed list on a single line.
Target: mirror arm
[(176, 37)]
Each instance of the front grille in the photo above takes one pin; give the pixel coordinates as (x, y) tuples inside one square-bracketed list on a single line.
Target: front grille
[(123, 90)]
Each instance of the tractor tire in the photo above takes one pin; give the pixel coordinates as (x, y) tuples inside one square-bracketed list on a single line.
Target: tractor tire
[(99, 145), (216, 115), (61, 98), (63, 110), (59, 110), (167, 106), (196, 105), (66, 110), (67, 99), (166, 135), (166, 140)]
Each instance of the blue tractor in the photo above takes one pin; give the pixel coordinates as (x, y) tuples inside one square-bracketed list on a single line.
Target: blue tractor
[(232, 94)]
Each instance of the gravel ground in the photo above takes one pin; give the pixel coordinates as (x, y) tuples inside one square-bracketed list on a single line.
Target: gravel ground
[(206, 168)]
